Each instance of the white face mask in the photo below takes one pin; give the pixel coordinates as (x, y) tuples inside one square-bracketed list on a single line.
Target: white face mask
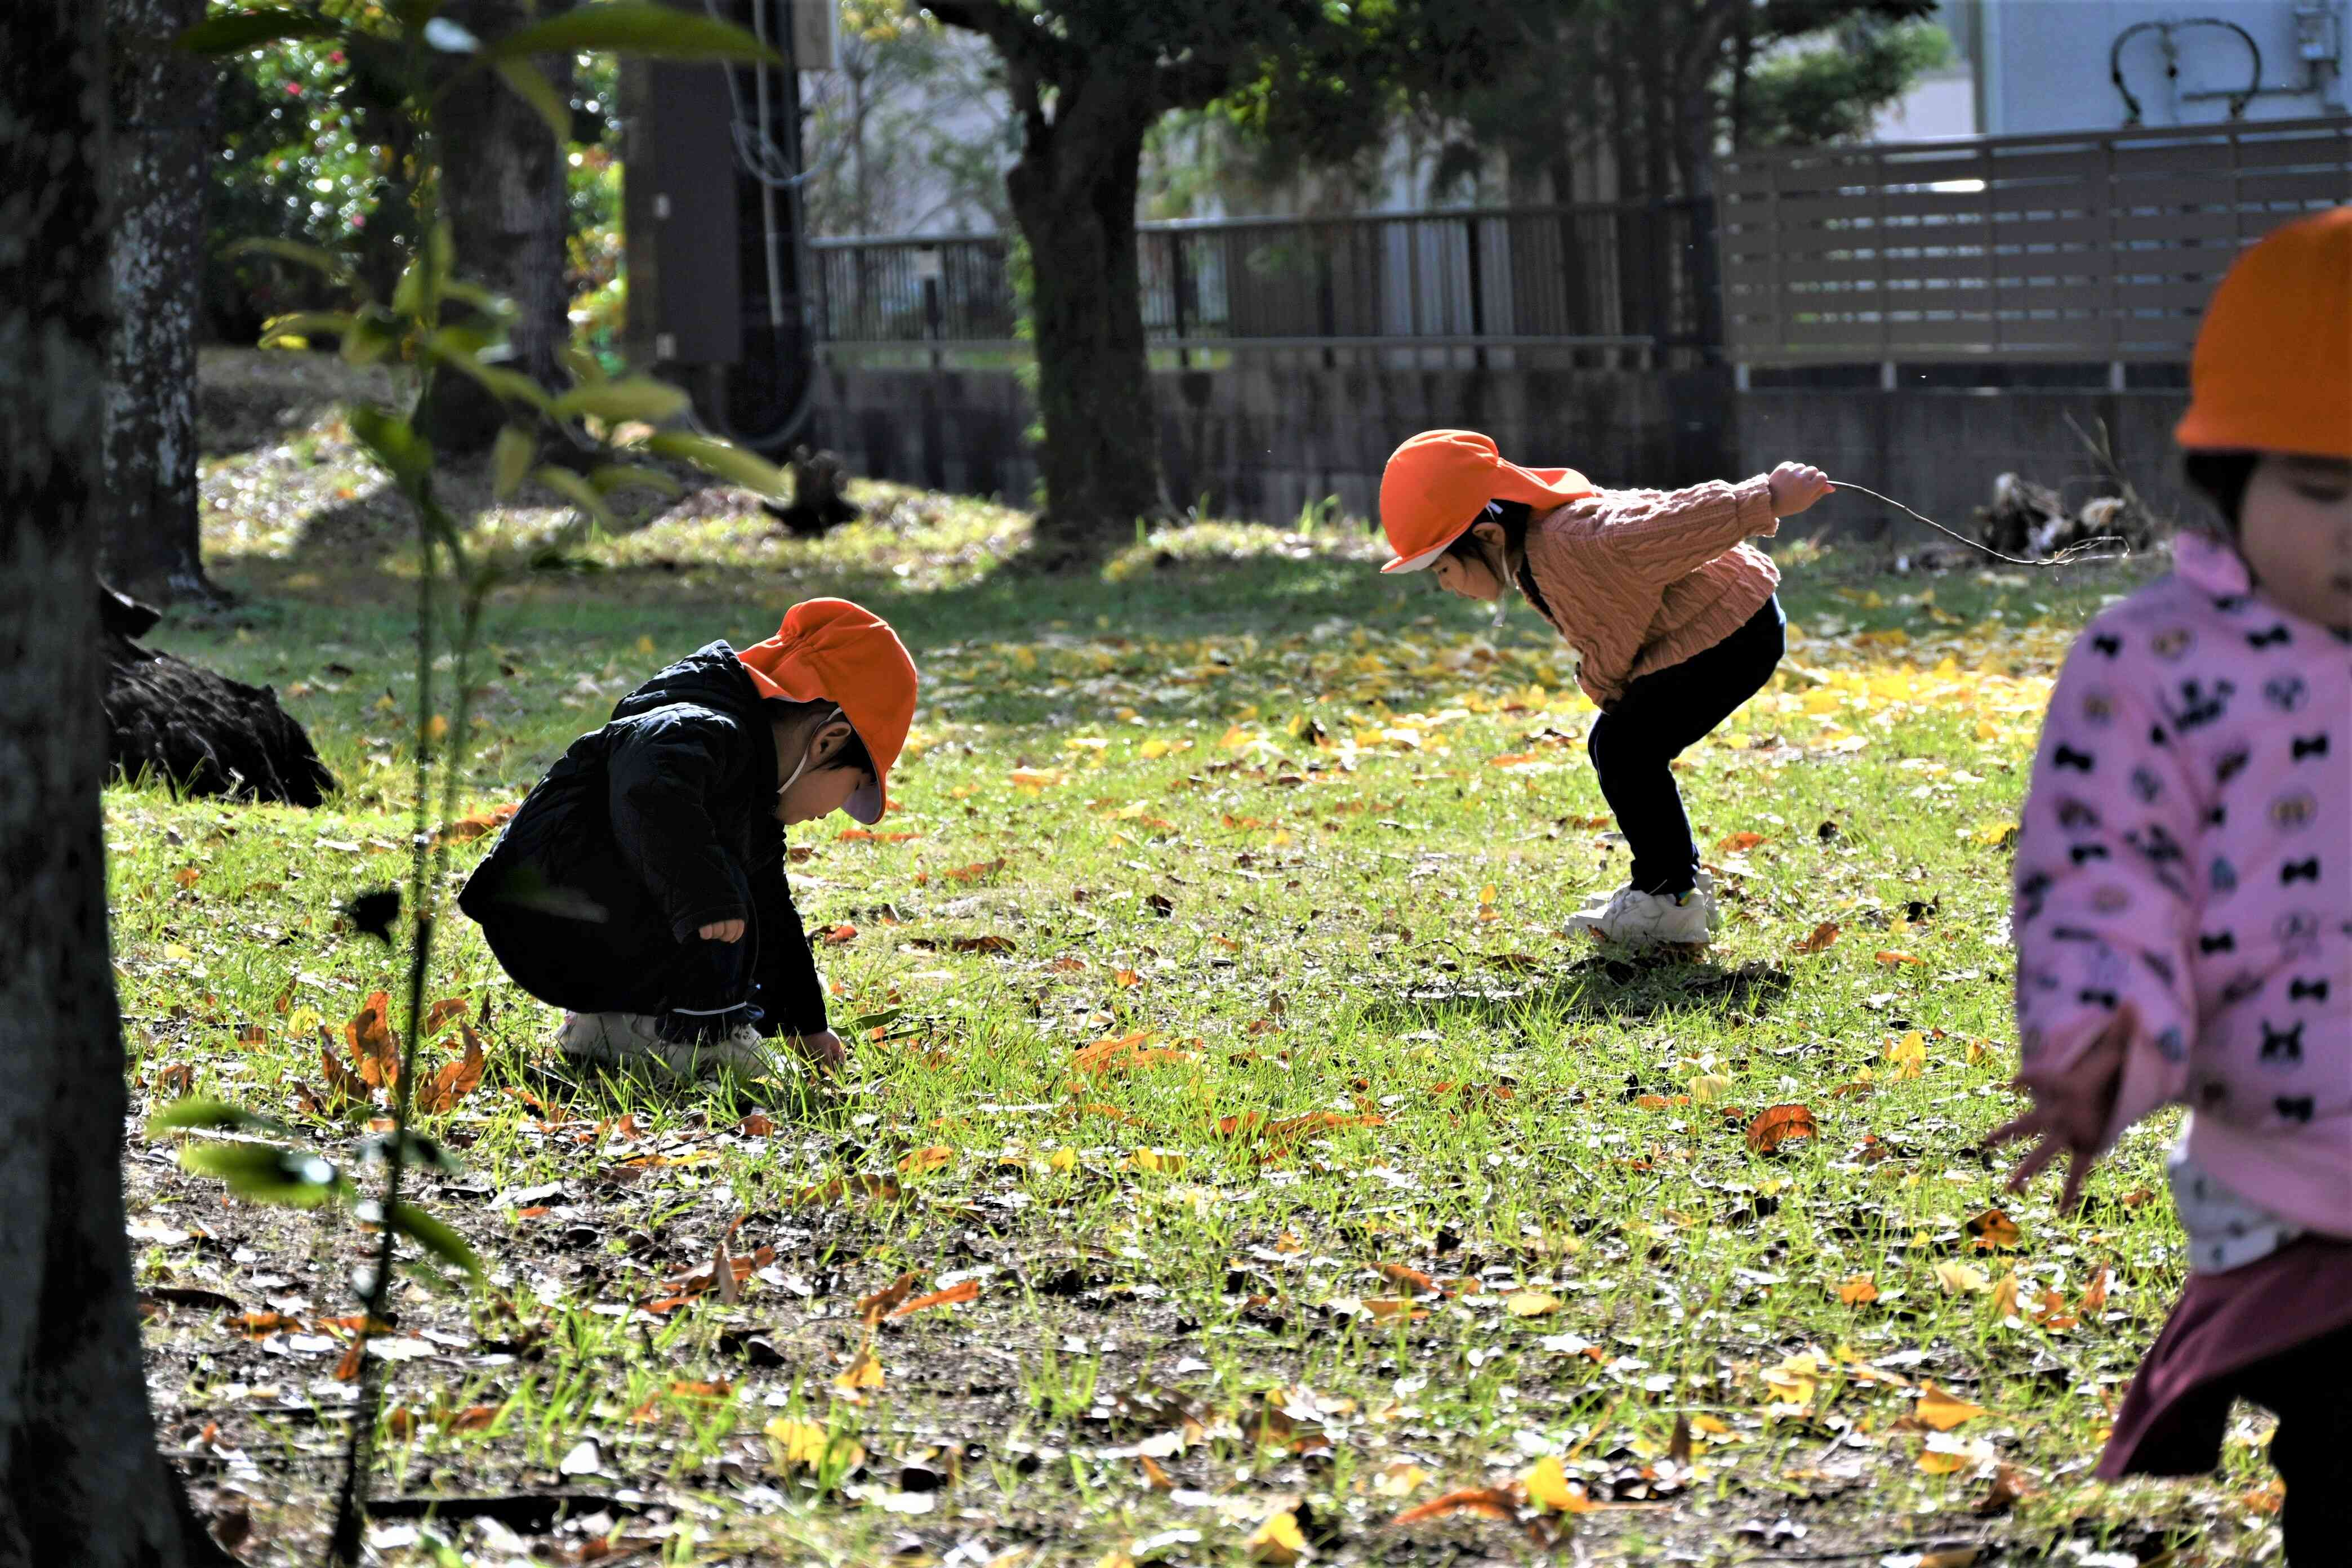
[(808, 753)]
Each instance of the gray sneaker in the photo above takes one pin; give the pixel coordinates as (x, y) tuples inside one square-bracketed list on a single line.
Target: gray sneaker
[(634, 1040)]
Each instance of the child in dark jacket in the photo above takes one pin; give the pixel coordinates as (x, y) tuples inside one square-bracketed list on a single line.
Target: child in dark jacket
[(642, 885)]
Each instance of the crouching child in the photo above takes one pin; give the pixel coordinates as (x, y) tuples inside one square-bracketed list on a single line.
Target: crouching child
[(641, 887)]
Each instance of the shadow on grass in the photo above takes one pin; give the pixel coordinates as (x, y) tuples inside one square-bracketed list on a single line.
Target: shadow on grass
[(1593, 989)]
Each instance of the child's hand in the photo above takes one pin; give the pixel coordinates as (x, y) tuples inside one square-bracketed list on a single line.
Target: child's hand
[(1795, 487), (2070, 1115), (824, 1049), (722, 931)]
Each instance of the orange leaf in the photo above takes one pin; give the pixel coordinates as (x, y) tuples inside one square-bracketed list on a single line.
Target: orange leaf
[(1940, 1410), (252, 1035), (1124, 1052), (880, 1304), (863, 1372), (456, 1079), (841, 935), (472, 1418), (187, 876), (1155, 1477), (347, 1370), (927, 1159), (467, 828), (1776, 1125), (1823, 934), (441, 1012), (963, 1291), (1859, 1291), (1494, 1502), (2094, 1294), (1994, 1228), (340, 1080), (974, 871), (1732, 843), (1412, 1279), (374, 1052), (1892, 955)]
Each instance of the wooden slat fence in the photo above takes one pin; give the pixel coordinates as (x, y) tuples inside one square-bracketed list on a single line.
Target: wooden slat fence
[(2082, 247)]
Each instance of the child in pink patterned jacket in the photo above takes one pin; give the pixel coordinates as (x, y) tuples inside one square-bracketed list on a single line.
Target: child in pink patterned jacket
[(2184, 895)]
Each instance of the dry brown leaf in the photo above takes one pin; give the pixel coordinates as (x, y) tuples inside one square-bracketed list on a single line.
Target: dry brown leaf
[(1411, 1278), (963, 1290), (1994, 1229), (930, 1158), (1942, 1411), (878, 1306), (1494, 1502), (1733, 842), (1778, 1124), (2008, 1486), (1892, 955), (1823, 934), (441, 1012), (375, 1053), (457, 1079), (2094, 1294), (1155, 1477)]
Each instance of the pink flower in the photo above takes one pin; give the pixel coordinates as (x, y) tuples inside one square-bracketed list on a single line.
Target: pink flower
[(293, 89), (359, 220), (337, 57)]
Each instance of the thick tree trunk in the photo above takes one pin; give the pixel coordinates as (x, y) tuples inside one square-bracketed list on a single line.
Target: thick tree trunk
[(504, 200), (162, 140), (80, 1480), (1073, 192)]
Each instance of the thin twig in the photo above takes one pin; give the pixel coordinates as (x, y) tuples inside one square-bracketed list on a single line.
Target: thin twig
[(2072, 555)]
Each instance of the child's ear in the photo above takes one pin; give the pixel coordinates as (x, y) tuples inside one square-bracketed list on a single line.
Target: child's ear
[(1488, 532), (829, 742)]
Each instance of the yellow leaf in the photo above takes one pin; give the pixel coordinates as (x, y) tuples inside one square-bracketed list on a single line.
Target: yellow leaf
[(804, 1445), (1548, 1487), (2004, 1296), (1709, 1087), (1909, 1054), (1793, 1381), (645, 644), (1399, 1479), (927, 1159), (1531, 1304), (1959, 1280), (1942, 1455), (864, 1372), (1063, 1159), (1940, 1410), (1278, 1541), (1152, 751)]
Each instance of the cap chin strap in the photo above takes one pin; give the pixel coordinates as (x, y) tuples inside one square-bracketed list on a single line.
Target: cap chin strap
[(808, 752)]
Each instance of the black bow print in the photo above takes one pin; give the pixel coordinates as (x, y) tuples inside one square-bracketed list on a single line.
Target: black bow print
[(2307, 746), (2310, 990), (2068, 757), (2299, 871)]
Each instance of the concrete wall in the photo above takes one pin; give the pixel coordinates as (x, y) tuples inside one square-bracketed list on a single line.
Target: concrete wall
[(1937, 450), (1265, 436), (2044, 64)]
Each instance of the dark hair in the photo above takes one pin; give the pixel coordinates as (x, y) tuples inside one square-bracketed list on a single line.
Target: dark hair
[(2221, 478), (1513, 517), (852, 752)]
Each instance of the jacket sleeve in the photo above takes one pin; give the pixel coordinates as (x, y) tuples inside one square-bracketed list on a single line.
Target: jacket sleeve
[(786, 985), (662, 772), (2105, 909), (1660, 535)]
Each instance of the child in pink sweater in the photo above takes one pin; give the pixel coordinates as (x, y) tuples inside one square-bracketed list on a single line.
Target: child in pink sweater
[(2184, 895), (1671, 612)]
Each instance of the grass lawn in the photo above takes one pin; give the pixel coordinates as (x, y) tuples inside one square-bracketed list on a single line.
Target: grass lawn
[(1284, 1166)]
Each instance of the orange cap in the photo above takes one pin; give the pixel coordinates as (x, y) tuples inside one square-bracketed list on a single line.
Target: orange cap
[(1437, 483), (834, 651), (2273, 370)]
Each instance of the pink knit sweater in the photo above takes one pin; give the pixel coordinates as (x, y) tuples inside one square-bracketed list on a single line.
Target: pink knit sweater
[(1638, 580)]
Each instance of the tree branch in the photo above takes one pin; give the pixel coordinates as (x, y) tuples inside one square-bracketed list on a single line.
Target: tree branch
[(1012, 30)]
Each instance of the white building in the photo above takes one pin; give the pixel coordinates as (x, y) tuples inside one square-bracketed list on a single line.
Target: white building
[(2024, 67)]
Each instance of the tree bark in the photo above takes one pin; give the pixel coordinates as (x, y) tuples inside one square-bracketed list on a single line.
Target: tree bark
[(162, 130), (505, 202), (80, 1480), (1073, 191)]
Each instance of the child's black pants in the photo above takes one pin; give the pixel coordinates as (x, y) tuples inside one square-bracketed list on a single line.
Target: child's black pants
[(1632, 744), (2309, 1389), (629, 961)]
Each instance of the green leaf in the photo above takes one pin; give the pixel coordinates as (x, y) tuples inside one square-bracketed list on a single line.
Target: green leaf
[(584, 366), (496, 306), (423, 1152), (295, 329), (578, 492), (636, 27), (866, 1021), (405, 454), (511, 385), (336, 268), (429, 268), (435, 1237), (216, 1115), (637, 397), (531, 85), (374, 333), (610, 477), (511, 460), (267, 1173), (240, 31), (724, 460)]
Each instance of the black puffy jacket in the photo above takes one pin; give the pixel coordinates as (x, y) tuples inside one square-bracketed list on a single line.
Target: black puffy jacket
[(678, 791)]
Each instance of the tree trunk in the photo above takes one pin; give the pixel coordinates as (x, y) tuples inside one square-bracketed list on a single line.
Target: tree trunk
[(1073, 191), (162, 130), (80, 1480), (505, 202)]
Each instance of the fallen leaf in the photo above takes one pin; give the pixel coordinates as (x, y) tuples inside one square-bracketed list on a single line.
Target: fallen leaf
[(878, 1306), (1531, 1304), (1778, 1124), (187, 876), (2008, 1487), (930, 1158), (2094, 1294), (1940, 1410), (375, 1053), (1892, 955), (1157, 1479), (1125, 1053), (1823, 934), (465, 829), (1411, 1278), (441, 1012), (457, 1079), (805, 1446), (1994, 1229), (864, 1372), (1278, 1541), (1959, 1280), (963, 1290), (1733, 842), (1546, 1487), (1494, 1502), (1858, 1290), (1794, 1380), (841, 935), (2004, 1296)]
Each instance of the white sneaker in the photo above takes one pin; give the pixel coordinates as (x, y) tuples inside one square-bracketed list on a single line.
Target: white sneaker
[(1634, 919), (635, 1040)]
